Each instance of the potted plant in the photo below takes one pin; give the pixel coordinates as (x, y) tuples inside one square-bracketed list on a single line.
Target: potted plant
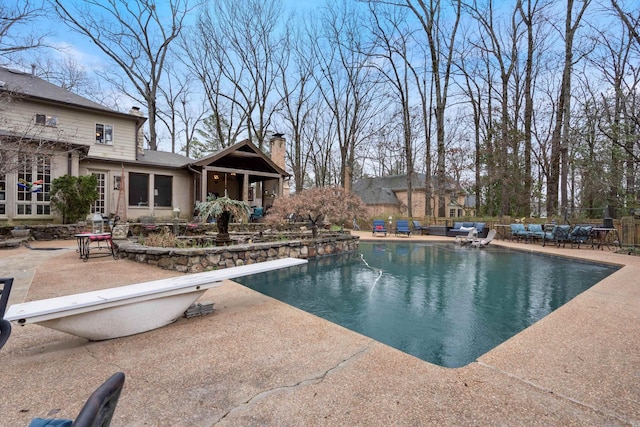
[(222, 209)]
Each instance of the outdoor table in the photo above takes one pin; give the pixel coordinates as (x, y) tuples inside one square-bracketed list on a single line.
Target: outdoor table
[(601, 236), (86, 239)]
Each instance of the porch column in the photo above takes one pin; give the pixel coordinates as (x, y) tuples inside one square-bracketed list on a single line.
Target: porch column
[(245, 188), (204, 178)]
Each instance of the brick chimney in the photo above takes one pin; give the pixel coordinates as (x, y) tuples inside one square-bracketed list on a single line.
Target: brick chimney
[(278, 147), (278, 150)]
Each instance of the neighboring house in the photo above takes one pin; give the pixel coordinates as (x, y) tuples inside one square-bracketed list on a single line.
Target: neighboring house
[(387, 195), (55, 132)]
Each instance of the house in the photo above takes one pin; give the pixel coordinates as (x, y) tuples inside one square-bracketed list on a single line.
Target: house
[(387, 195), (47, 132)]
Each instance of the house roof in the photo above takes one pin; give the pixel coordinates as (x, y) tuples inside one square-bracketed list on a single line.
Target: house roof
[(381, 189), (164, 158), (27, 85), (243, 155), (394, 182), (377, 196)]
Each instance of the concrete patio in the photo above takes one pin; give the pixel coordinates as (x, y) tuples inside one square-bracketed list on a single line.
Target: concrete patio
[(257, 361)]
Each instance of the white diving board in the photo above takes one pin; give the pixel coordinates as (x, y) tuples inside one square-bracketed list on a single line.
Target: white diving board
[(131, 309)]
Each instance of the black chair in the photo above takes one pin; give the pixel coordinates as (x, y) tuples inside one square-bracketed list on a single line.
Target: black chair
[(98, 409), (5, 325)]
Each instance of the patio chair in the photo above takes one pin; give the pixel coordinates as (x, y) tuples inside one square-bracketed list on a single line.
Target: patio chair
[(402, 227), (534, 232), (518, 231), (559, 234), (418, 228), (486, 240), (5, 325), (98, 409), (379, 226), (469, 238), (581, 234), (258, 212)]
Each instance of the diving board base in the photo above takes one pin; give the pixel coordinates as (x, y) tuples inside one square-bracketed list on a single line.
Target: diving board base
[(131, 309), (124, 320)]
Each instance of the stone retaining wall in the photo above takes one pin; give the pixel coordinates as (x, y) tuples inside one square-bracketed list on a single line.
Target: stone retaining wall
[(67, 231), (196, 260)]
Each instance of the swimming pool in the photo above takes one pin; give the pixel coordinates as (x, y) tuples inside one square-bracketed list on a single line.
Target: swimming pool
[(440, 302)]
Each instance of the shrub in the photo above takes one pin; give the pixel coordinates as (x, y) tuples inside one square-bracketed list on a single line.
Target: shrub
[(72, 196)]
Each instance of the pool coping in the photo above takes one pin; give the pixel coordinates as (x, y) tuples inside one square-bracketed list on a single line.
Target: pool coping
[(257, 361)]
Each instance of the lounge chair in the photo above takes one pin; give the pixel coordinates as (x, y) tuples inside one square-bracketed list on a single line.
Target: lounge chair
[(379, 226), (559, 234), (534, 232), (580, 234), (518, 231), (98, 409), (419, 228), (469, 238), (402, 227), (486, 240)]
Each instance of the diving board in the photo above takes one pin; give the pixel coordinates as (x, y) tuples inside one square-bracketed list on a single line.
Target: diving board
[(131, 309)]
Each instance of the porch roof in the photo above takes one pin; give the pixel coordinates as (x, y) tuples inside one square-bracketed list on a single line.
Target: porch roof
[(243, 155)]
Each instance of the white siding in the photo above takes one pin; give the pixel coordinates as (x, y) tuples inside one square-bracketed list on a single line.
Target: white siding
[(74, 126)]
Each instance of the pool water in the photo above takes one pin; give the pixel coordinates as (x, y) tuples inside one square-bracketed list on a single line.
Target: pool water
[(443, 303)]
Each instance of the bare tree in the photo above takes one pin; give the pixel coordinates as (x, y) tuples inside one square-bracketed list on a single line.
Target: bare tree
[(297, 90), (16, 20), (67, 73), (241, 42), (391, 54), (441, 37), (505, 56), (205, 58), (347, 83), (177, 118), (136, 36), (559, 140), (632, 22)]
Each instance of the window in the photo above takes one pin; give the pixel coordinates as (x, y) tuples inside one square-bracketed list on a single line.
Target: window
[(100, 205), (452, 213), (45, 120), (163, 190), (138, 189), (3, 195), (34, 184), (104, 134)]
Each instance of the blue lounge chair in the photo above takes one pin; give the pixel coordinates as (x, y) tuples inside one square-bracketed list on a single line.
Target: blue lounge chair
[(580, 234), (518, 231), (559, 234), (535, 232), (379, 226), (402, 227)]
